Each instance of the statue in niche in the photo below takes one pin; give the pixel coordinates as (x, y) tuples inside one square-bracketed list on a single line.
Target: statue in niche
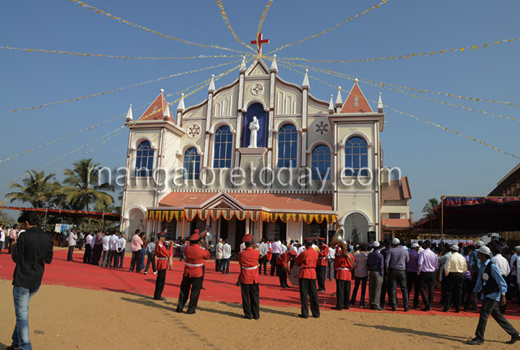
[(355, 235), (254, 126)]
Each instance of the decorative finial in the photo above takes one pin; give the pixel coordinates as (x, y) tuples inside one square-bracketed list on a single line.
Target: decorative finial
[(339, 87), (162, 90), (356, 80)]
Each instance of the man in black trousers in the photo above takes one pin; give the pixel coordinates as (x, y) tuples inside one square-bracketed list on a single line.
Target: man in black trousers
[(494, 288), (307, 279)]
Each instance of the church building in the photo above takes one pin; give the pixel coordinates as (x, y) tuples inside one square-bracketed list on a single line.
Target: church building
[(260, 156)]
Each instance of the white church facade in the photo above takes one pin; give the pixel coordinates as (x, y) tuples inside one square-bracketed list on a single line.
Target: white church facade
[(260, 155)]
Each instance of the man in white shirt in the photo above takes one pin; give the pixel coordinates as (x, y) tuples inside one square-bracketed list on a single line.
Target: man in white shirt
[(2, 237), (262, 249), (284, 247), (112, 248), (330, 263), (218, 255), (72, 243), (226, 256), (503, 268), (242, 246), (106, 248), (276, 250), (456, 266), (88, 248), (120, 248)]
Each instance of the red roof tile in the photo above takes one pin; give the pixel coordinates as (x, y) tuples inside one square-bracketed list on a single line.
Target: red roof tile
[(156, 110), (356, 102)]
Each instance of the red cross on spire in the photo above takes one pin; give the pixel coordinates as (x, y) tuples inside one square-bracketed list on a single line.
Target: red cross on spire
[(259, 43)]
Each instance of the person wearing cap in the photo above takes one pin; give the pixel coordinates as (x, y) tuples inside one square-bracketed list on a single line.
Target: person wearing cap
[(427, 264), (474, 266), (307, 280), (395, 264), (282, 268), (249, 279), (503, 268), (494, 288), (163, 252), (375, 267), (321, 268), (343, 264), (412, 278), (192, 276), (455, 269)]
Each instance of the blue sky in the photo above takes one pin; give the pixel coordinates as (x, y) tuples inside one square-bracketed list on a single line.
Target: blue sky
[(436, 161)]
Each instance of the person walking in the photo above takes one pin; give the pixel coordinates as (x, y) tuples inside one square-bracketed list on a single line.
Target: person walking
[(375, 267), (494, 288), (30, 252)]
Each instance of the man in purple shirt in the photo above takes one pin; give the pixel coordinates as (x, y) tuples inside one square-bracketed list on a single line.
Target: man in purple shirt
[(427, 264), (395, 263), (375, 266), (412, 278)]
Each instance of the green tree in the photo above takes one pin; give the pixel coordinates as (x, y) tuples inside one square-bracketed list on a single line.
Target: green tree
[(37, 189), (430, 206), (84, 190)]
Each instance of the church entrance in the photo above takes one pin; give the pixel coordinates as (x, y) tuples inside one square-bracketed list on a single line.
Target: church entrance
[(233, 230)]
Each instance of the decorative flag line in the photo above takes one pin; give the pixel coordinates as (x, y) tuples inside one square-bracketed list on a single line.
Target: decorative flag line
[(119, 19), (379, 84), (412, 116), (134, 123), (262, 17), (407, 56), (115, 90), (121, 57), (226, 21), (330, 29)]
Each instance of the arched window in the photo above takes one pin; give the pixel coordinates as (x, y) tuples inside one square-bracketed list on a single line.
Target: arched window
[(356, 228), (274, 231), (191, 164), (356, 157), (314, 230), (144, 160), (321, 163), (223, 148), (287, 146)]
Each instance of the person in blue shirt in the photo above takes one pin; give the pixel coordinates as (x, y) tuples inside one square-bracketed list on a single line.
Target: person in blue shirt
[(494, 288)]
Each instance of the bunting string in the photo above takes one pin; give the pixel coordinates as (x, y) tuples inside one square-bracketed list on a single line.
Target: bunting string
[(120, 57), (262, 17), (474, 139), (407, 56), (119, 19), (384, 85), (331, 28), (120, 89), (226, 21)]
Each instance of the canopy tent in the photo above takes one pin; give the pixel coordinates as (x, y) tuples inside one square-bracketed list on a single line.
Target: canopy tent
[(71, 213), (471, 215)]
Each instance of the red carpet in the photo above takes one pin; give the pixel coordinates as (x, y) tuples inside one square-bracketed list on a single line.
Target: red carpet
[(219, 288)]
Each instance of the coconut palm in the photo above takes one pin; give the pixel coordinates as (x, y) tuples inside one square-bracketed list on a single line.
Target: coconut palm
[(430, 206), (37, 189), (84, 188)]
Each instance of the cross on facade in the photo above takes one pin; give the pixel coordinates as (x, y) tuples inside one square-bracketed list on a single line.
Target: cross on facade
[(259, 43)]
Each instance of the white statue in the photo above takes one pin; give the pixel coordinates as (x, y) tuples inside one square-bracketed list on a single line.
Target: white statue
[(254, 127)]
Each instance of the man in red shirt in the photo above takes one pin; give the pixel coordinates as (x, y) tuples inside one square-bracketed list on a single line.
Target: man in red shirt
[(282, 268), (307, 279), (163, 251), (249, 278), (343, 265), (192, 278), (321, 268)]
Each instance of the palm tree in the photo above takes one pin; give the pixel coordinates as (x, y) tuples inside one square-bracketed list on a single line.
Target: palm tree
[(84, 188), (37, 189), (430, 206)]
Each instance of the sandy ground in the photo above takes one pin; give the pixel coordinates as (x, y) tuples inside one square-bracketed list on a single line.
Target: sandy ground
[(72, 318)]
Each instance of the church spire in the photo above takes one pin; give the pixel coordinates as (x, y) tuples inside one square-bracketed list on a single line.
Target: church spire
[(243, 67), (380, 105), (212, 84), (331, 104), (181, 107), (274, 67), (339, 100), (305, 84), (129, 115)]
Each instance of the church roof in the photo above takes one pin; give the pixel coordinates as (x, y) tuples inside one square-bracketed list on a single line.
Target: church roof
[(157, 109), (397, 190), (356, 102)]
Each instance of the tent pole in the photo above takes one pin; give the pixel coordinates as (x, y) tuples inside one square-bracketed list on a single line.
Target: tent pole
[(45, 223), (442, 218)]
